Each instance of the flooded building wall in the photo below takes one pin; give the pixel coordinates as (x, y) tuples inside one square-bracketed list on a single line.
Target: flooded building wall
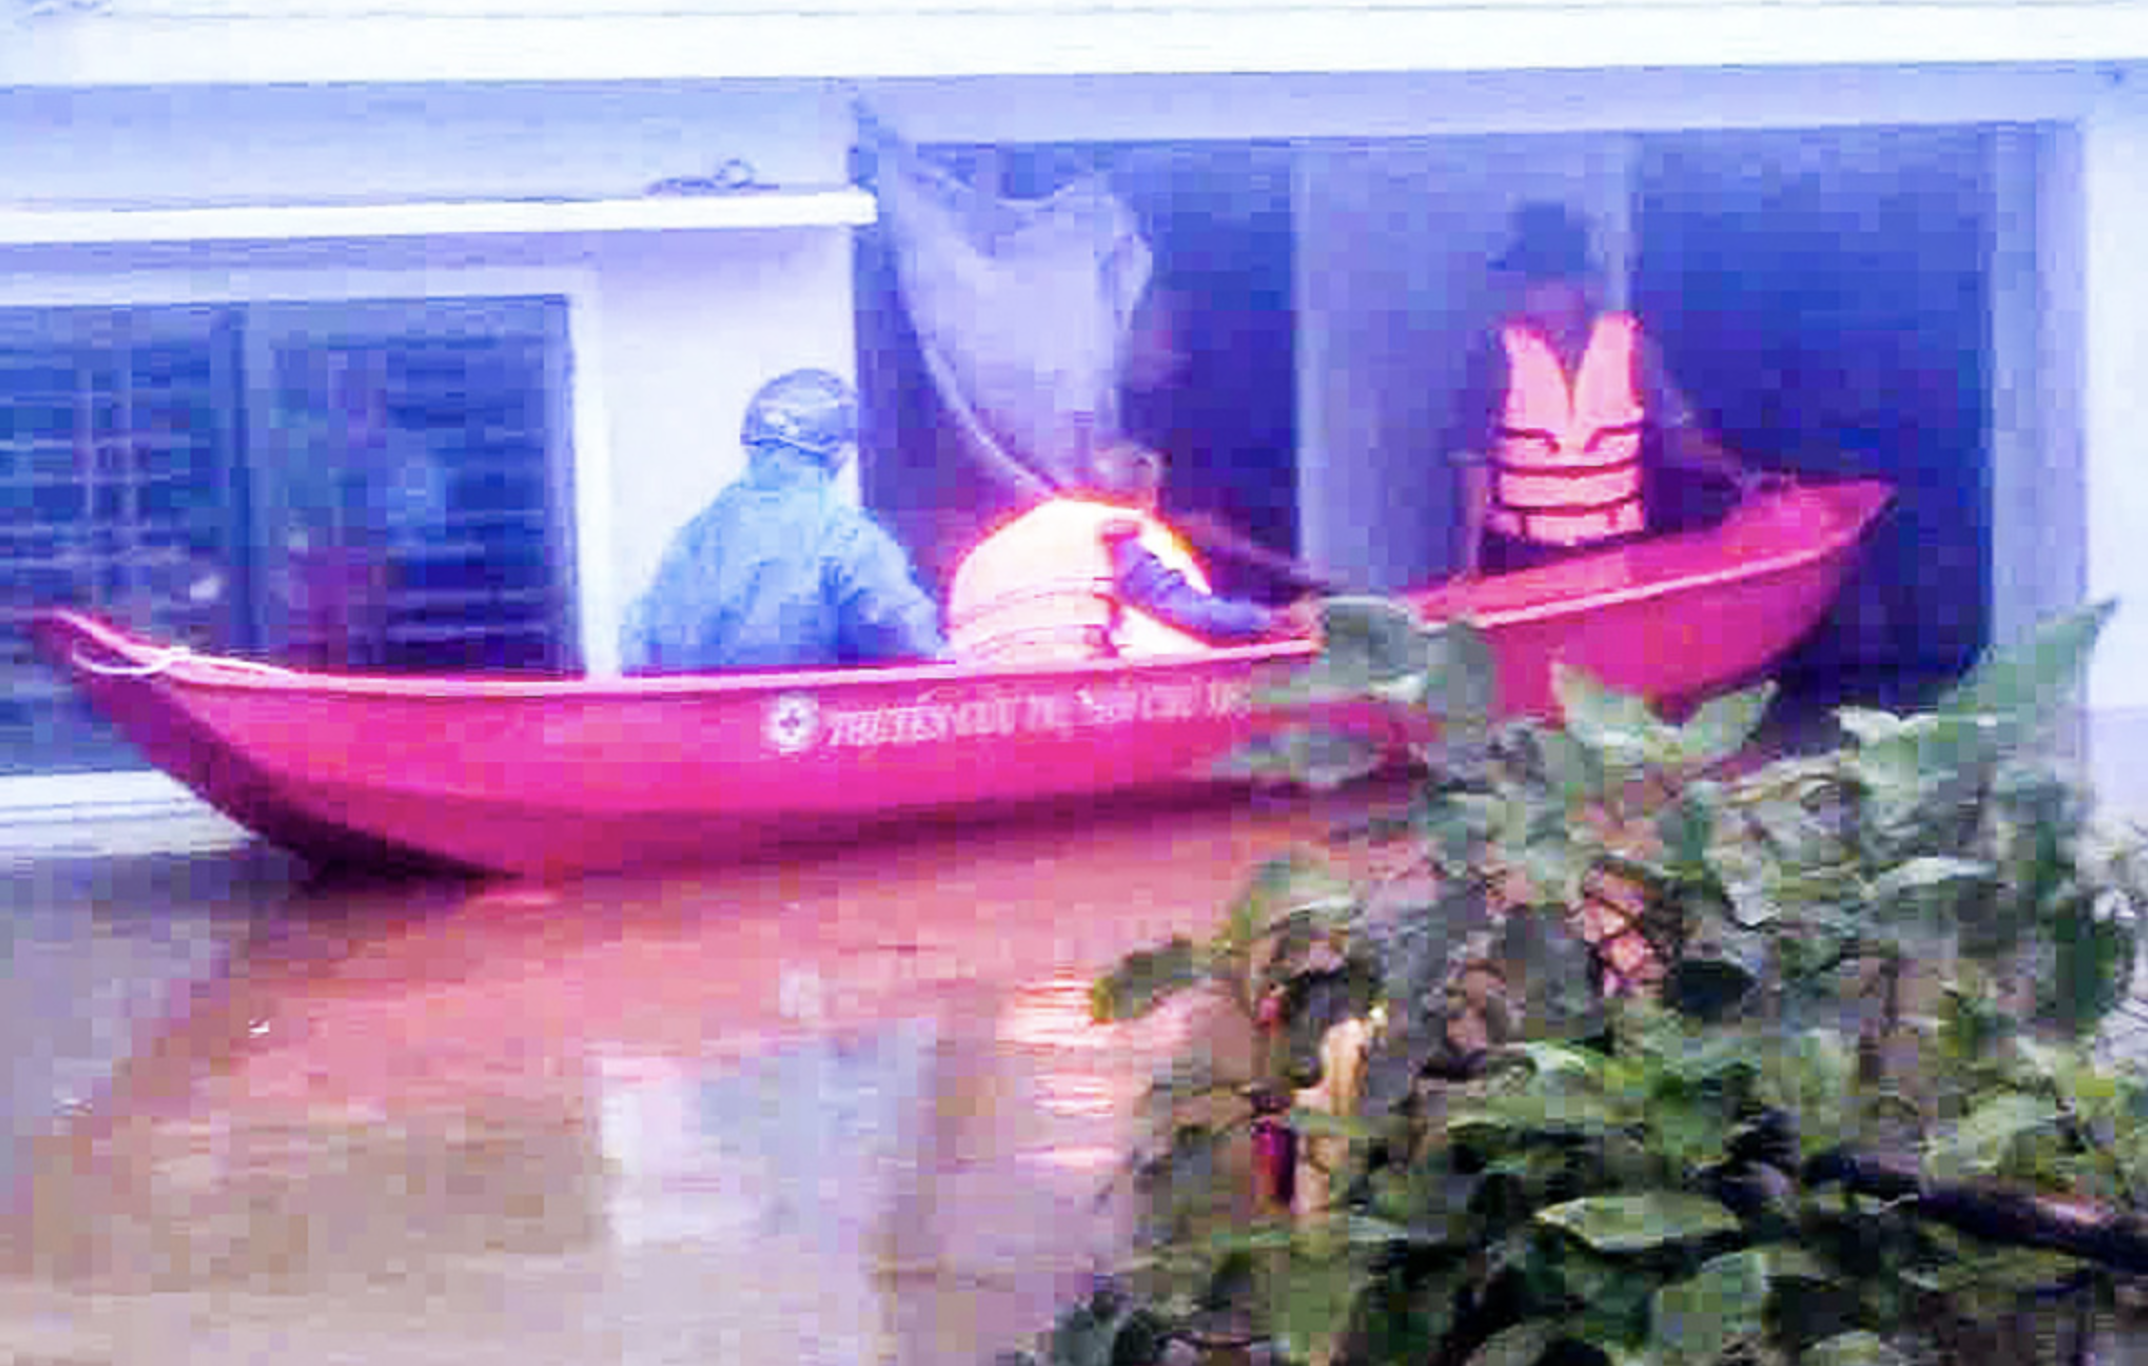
[(2039, 552), (1967, 387), (1399, 183), (665, 335), (2113, 190)]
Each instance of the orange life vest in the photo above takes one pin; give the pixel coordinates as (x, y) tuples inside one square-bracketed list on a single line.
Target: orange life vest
[(1567, 470), (1041, 588)]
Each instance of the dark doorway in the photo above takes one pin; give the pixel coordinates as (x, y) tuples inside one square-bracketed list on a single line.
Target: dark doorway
[(1824, 299), (1223, 407), (1212, 380)]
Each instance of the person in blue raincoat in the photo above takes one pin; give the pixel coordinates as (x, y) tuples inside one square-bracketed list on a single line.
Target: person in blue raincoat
[(780, 571)]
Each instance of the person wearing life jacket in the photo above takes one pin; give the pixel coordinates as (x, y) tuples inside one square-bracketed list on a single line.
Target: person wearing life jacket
[(1555, 409), (1094, 573)]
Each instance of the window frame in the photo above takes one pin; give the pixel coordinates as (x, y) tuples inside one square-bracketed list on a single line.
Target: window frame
[(587, 468)]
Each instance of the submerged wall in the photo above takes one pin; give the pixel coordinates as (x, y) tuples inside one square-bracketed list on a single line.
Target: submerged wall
[(670, 332)]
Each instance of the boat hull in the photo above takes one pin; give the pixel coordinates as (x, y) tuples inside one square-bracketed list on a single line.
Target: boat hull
[(568, 776)]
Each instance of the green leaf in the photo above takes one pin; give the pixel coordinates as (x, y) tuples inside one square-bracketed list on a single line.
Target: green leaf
[(1552, 1060), (1318, 757), (1082, 1337), (1689, 1131), (1859, 1348), (1687, 827), (1179, 1186), (1462, 677), (1108, 1330), (1926, 873), (1569, 767), (1791, 830), (1311, 1308), (2027, 681), (1787, 1261), (1455, 826), (1140, 1339), (1555, 864), (1408, 1319), (2043, 1062), (1971, 1266), (1929, 759), (1145, 979), (1724, 726), (1869, 727), (1553, 981), (1521, 1345), (1979, 1144), (1371, 640), (1638, 1223), (1535, 1168), (2092, 967), (1693, 1322), (1411, 946), (1410, 690), (1312, 1123), (1266, 1238), (1971, 1024), (1187, 1078), (1750, 881), (1615, 1292), (1282, 886), (1701, 1056), (1530, 1113), (1620, 729)]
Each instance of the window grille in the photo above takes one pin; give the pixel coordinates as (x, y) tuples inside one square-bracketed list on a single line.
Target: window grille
[(374, 486), (116, 494), (417, 492)]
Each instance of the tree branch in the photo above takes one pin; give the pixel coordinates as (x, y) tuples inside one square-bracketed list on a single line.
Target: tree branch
[(2077, 1228)]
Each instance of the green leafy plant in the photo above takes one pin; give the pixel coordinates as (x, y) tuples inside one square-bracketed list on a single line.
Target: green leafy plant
[(1630, 1054)]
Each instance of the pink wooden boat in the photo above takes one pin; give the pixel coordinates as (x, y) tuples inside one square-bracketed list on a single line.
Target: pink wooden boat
[(566, 776)]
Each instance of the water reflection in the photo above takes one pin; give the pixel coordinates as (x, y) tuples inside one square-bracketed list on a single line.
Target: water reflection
[(850, 1109)]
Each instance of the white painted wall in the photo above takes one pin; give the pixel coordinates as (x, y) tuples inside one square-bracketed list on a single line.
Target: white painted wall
[(1392, 290), (672, 332), (689, 333), (1363, 106), (320, 144), (2039, 505), (448, 40), (2114, 290)]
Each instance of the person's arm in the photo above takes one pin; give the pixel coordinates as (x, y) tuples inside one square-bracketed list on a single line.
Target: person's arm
[(1213, 536), (1470, 441), (637, 652), (1476, 504), (661, 625), (1145, 582), (1686, 443), (884, 614)]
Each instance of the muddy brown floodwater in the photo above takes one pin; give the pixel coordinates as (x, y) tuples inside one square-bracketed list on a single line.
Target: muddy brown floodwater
[(845, 1107)]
